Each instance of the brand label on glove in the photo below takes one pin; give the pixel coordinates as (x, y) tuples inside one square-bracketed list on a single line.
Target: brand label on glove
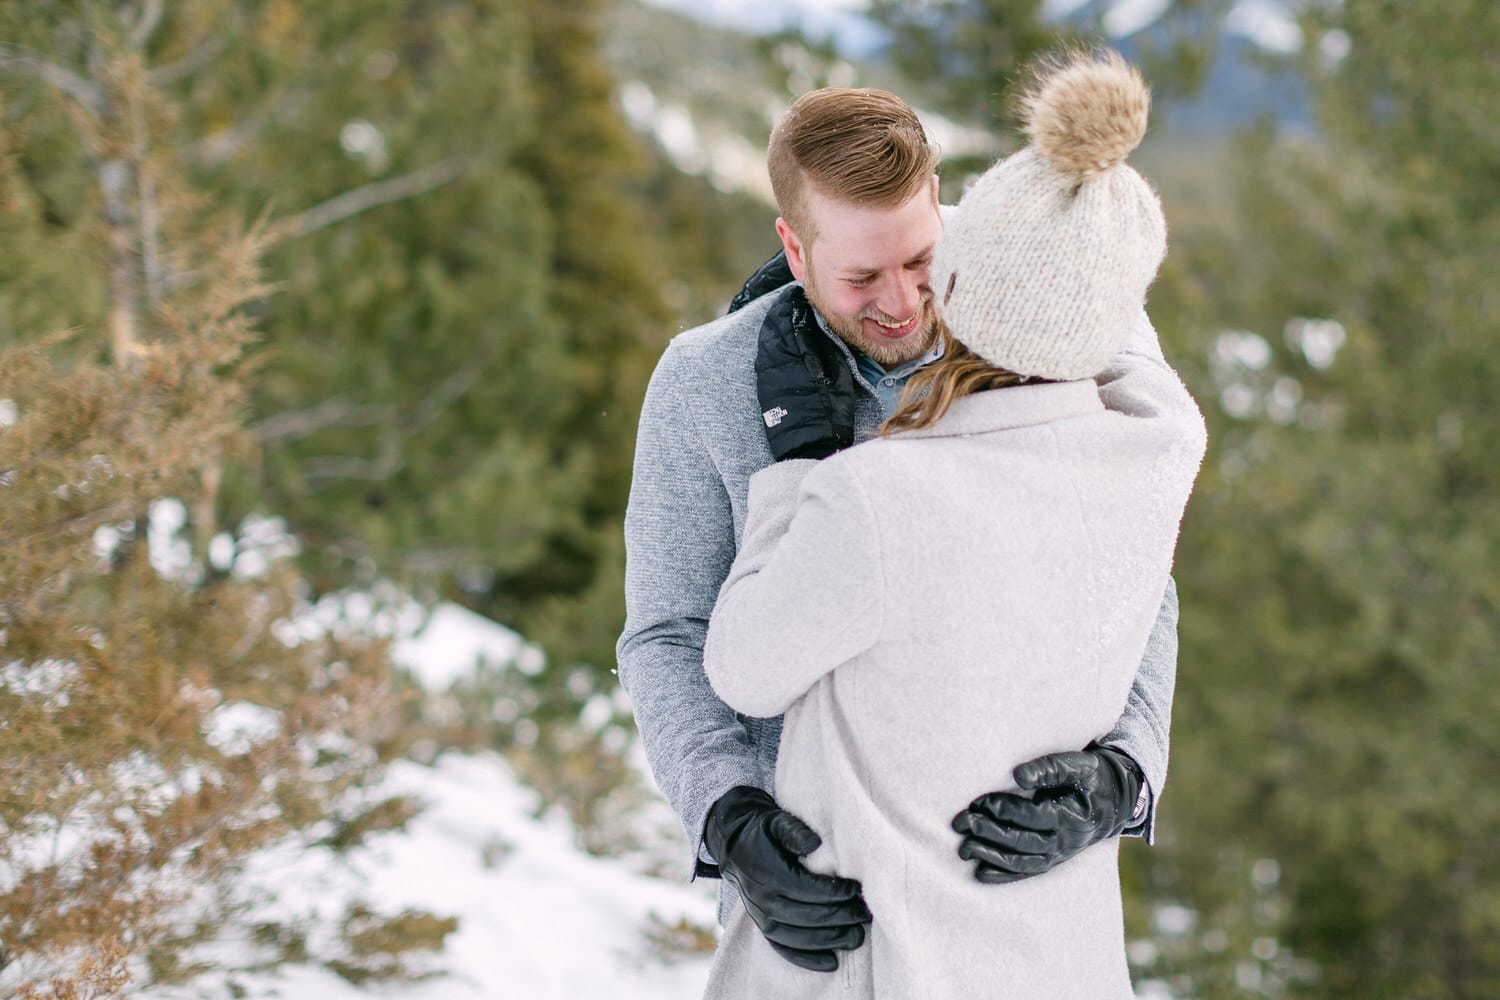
[(773, 416)]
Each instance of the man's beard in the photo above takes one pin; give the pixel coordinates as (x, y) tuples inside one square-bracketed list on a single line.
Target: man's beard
[(886, 353)]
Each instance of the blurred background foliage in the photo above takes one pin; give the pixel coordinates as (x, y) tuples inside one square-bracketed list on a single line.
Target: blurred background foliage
[(487, 218)]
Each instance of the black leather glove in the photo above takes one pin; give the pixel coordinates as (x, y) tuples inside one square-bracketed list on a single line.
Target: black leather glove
[(767, 278), (805, 384), (804, 916), (1079, 798)]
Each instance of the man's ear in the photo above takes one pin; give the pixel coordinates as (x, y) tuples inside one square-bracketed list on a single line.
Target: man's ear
[(796, 257)]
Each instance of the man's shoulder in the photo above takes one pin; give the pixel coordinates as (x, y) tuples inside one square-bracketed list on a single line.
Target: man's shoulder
[(723, 347), (706, 379)]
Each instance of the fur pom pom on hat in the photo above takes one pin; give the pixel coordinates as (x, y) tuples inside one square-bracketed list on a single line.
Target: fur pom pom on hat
[(1086, 114), (1043, 266)]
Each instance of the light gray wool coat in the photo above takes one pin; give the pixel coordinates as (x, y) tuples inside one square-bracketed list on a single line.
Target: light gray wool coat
[(928, 611), (701, 438)]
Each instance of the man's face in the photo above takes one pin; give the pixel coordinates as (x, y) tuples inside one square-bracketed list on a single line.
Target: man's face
[(866, 272)]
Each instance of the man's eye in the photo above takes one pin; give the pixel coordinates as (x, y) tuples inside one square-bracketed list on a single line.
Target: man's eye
[(858, 282)]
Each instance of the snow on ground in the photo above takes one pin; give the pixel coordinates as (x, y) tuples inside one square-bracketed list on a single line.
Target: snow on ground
[(538, 918), (452, 641)]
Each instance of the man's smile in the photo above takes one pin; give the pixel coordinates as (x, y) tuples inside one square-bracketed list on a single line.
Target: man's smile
[(895, 329)]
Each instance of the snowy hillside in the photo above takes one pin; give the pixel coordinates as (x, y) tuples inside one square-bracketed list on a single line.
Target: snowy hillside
[(537, 917)]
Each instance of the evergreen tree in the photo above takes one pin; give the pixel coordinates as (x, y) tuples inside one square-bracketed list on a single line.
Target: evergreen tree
[(603, 296), (415, 405), (1328, 817), (970, 58), (976, 48), (967, 57), (472, 258), (160, 723), (469, 302)]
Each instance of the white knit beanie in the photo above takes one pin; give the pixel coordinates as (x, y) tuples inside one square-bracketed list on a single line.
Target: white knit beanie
[(1044, 264)]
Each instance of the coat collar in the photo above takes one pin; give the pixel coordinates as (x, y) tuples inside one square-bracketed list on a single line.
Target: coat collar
[(1013, 406)]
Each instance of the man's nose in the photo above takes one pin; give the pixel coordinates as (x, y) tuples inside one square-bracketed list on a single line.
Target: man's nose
[(903, 296)]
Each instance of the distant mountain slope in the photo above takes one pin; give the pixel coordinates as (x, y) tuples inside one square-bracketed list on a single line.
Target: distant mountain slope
[(711, 61), (1247, 80), (711, 112)]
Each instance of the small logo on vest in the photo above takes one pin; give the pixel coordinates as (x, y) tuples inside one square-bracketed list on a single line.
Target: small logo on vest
[(773, 416)]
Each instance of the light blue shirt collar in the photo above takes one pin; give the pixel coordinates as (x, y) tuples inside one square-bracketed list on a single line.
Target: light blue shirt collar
[(887, 384)]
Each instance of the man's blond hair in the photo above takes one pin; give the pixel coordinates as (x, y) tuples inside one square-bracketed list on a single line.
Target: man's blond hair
[(863, 146)]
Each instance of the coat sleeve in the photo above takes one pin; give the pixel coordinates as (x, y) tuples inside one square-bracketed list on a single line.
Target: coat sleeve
[(805, 594), (1144, 730), (679, 544), (1139, 382)]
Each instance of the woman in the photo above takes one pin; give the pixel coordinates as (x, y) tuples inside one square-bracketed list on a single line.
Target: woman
[(984, 575)]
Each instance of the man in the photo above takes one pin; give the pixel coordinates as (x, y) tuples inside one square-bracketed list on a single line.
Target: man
[(802, 372)]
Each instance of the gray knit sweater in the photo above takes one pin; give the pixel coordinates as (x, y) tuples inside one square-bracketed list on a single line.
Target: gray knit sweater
[(928, 611)]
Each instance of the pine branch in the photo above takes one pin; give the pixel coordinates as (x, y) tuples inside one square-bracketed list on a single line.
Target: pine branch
[(376, 470), (346, 205), (202, 55), (216, 149), (76, 526), (369, 196), (124, 322), (85, 92), (393, 442), (453, 388), (151, 13), (326, 415), (148, 214), (431, 561)]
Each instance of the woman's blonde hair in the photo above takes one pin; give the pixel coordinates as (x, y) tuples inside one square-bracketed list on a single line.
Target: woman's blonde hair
[(933, 389)]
